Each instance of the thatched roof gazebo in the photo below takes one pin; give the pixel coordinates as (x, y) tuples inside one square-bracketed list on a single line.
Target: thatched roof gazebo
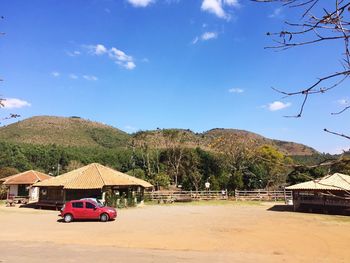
[(90, 181), (330, 191)]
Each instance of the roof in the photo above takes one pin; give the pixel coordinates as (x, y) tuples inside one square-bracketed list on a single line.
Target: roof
[(93, 176), (336, 181), (29, 177)]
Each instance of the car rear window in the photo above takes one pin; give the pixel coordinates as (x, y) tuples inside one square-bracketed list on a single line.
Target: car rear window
[(77, 204)]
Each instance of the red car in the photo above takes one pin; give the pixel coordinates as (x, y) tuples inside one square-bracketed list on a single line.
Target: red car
[(86, 209)]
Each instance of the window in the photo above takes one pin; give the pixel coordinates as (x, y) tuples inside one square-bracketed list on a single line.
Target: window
[(90, 206), (77, 205)]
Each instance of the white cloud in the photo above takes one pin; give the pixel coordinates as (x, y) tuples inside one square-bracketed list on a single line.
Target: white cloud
[(73, 76), (233, 3), (236, 90), (117, 55), (90, 77), (276, 13), (140, 3), (73, 53), (204, 37), (129, 65), (217, 7), (343, 102), (55, 74), (121, 58), (11, 103), (130, 128), (339, 149), (209, 35), (172, 1), (278, 105), (98, 49), (195, 40)]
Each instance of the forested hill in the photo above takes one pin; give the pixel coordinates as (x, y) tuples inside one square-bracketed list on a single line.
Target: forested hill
[(72, 131), (78, 132)]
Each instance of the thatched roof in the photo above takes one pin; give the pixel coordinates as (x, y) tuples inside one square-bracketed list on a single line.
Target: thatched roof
[(336, 181), (29, 177), (93, 176)]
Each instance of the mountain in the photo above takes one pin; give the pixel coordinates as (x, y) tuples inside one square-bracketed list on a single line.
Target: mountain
[(72, 131), (213, 139), (75, 131)]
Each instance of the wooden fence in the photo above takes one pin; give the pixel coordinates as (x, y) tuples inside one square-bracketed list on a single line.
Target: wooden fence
[(263, 195), (187, 196)]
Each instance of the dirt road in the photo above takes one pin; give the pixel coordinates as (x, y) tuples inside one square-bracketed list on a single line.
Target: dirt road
[(188, 233)]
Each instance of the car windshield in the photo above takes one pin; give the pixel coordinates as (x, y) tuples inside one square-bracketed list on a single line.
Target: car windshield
[(95, 201), (99, 204)]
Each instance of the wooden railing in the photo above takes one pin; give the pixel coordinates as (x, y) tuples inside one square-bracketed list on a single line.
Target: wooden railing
[(256, 195)]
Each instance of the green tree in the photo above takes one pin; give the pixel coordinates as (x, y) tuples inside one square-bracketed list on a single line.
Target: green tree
[(274, 163), (8, 171)]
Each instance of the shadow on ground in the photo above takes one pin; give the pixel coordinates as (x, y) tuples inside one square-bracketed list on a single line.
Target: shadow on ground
[(315, 210), (281, 208), (60, 220)]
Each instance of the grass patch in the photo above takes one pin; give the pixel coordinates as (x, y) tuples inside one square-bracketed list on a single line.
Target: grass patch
[(2, 202), (343, 219), (208, 203)]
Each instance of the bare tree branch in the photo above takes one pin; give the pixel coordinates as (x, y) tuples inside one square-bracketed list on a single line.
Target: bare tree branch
[(320, 21), (338, 134)]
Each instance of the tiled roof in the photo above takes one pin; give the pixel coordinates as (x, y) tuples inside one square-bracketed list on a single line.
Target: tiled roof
[(93, 176), (28, 177), (336, 181)]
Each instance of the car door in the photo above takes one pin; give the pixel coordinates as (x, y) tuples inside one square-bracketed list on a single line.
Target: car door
[(91, 210), (78, 209)]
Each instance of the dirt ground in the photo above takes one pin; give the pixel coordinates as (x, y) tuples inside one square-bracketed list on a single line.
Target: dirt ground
[(176, 233)]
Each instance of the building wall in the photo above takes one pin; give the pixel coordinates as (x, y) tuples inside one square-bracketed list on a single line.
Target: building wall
[(51, 194), (34, 194), (13, 190)]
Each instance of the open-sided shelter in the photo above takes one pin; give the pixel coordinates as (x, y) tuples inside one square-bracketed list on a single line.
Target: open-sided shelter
[(20, 185), (329, 192), (91, 181)]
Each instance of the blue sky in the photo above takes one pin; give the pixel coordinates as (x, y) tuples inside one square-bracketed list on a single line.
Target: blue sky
[(143, 64)]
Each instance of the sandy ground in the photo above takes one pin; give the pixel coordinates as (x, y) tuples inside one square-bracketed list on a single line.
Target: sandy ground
[(176, 233)]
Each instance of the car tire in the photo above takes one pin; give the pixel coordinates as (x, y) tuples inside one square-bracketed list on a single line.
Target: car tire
[(68, 218), (104, 217)]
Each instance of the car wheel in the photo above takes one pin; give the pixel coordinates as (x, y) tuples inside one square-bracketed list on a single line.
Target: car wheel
[(104, 218), (68, 218)]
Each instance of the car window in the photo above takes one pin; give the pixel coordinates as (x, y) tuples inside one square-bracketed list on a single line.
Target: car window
[(89, 205), (77, 204)]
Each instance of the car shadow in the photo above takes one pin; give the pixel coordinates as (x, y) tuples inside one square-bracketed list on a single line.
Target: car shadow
[(60, 220)]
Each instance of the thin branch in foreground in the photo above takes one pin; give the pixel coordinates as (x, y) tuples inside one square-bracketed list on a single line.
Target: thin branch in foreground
[(338, 134), (340, 112)]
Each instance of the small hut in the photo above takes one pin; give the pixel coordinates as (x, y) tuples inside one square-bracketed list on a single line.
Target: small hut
[(331, 192), (20, 186), (91, 181)]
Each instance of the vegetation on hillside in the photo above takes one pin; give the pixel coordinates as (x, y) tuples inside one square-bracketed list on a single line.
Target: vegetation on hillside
[(228, 159), (71, 131), (77, 132)]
